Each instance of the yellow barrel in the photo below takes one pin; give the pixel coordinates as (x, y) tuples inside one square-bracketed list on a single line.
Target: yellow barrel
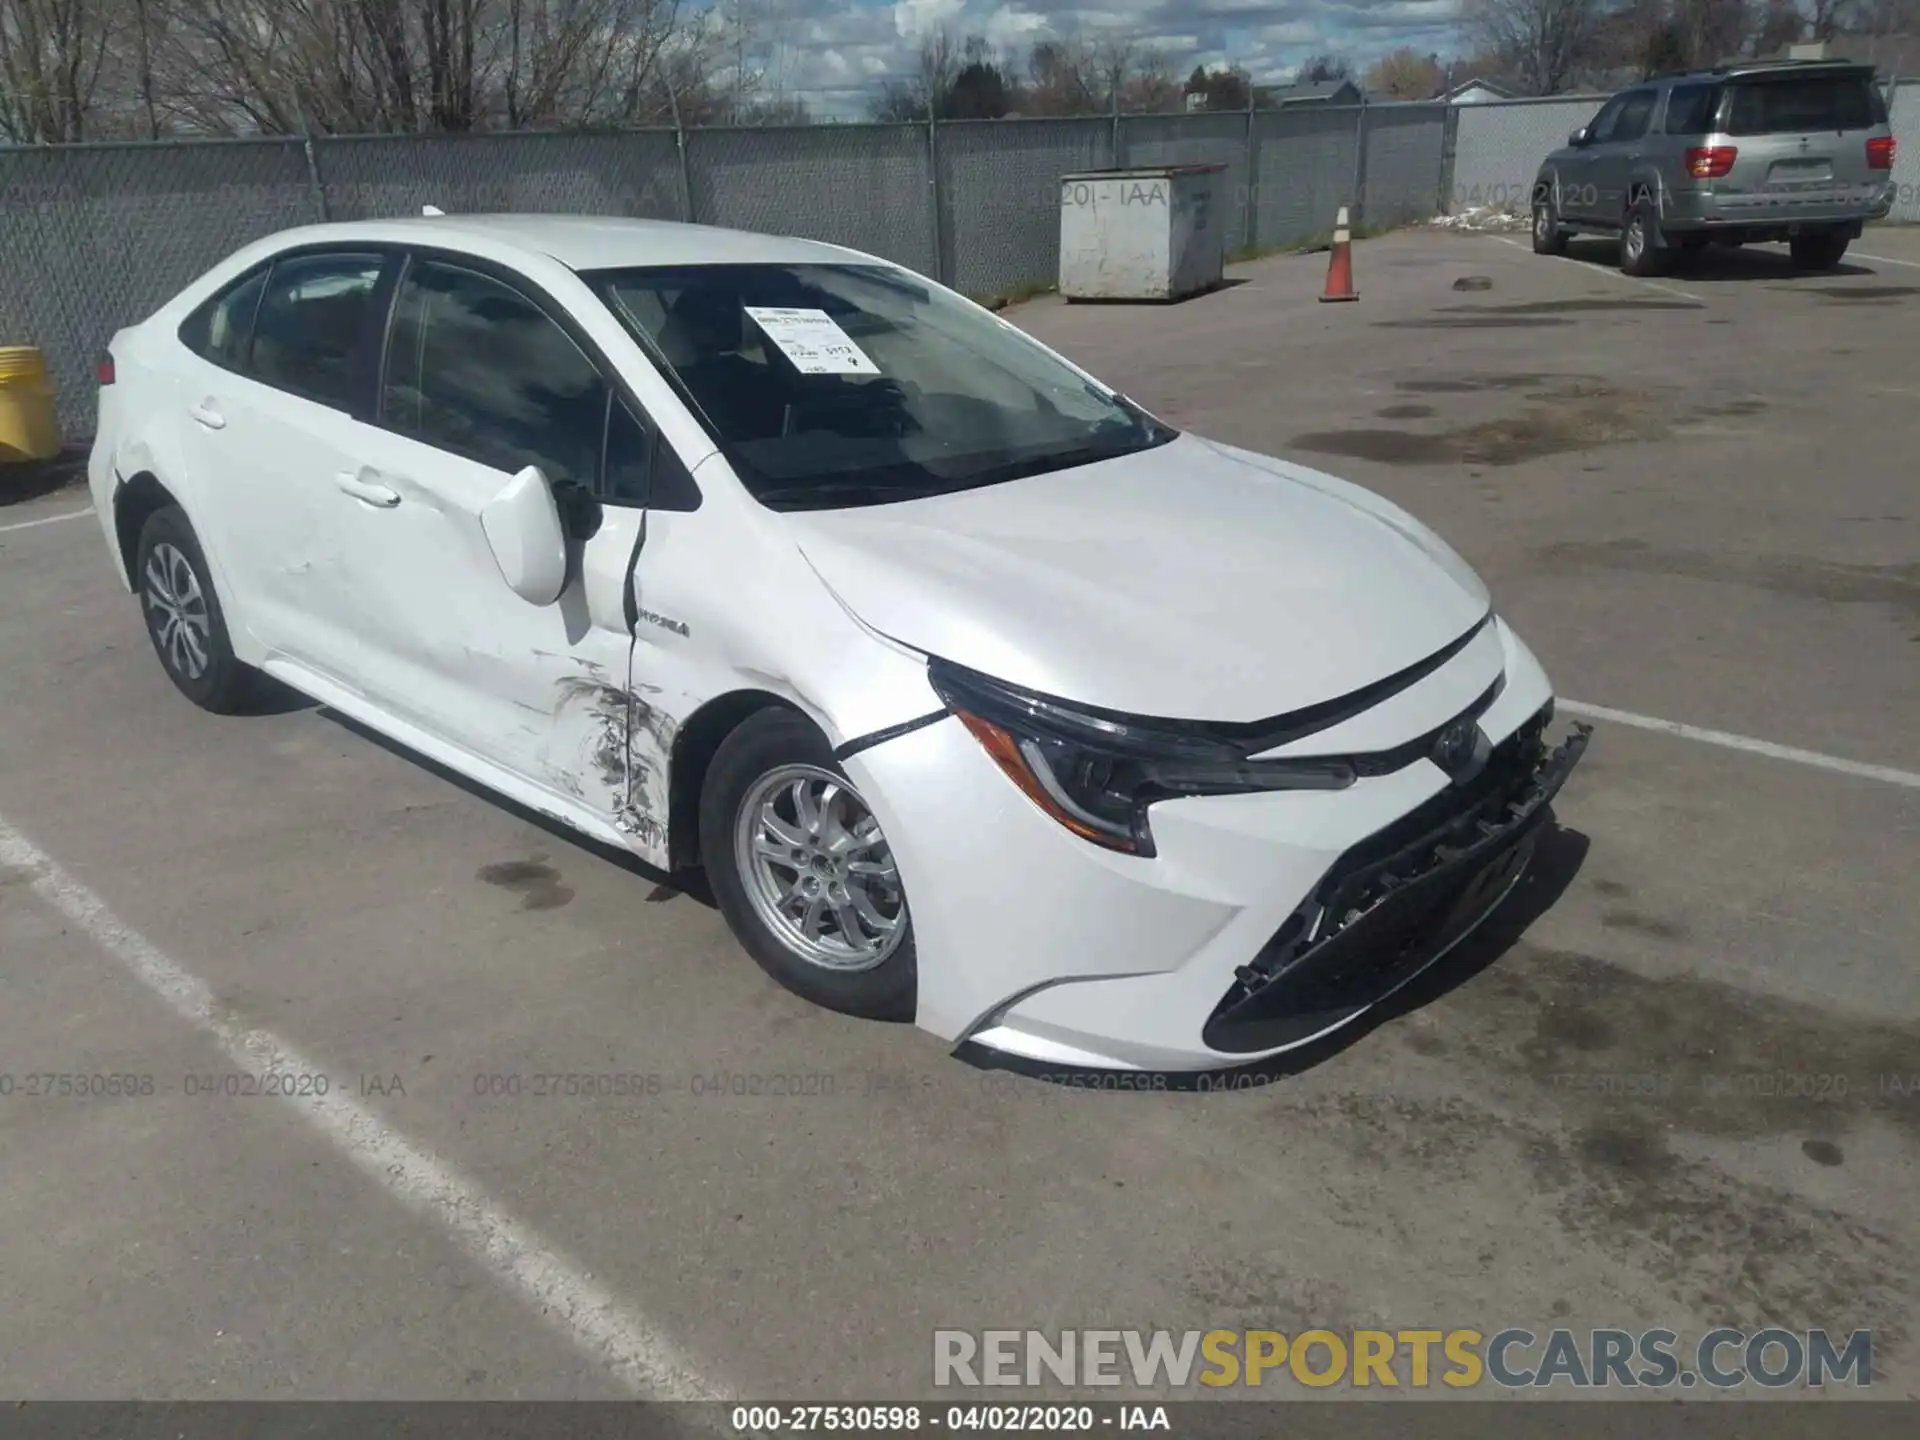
[(29, 429)]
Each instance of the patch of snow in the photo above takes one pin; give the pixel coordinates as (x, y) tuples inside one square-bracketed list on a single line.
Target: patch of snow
[(1483, 218)]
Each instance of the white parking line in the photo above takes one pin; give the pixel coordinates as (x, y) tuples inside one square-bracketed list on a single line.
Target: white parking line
[(1884, 259), (584, 1312), (1886, 774), (1602, 270), (47, 520)]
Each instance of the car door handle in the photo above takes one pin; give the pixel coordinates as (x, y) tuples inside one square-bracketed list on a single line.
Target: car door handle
[(205, 413), (370, 491)]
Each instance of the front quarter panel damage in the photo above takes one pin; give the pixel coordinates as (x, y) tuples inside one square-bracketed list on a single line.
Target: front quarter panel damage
[(610, 748), (757, 626)]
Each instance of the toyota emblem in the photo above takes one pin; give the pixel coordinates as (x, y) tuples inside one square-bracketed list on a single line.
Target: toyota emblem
[(1454, 746)]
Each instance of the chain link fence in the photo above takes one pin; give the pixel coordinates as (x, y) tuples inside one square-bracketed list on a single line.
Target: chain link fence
[(96, 236), (999, 196), (1498, 147)]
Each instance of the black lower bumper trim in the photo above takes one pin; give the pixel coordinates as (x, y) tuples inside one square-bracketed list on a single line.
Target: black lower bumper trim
[(1377, 920)]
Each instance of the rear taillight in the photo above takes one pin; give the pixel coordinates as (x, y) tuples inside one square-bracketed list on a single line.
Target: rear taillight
[(1710, 162), (1880, 152), (103, 368)]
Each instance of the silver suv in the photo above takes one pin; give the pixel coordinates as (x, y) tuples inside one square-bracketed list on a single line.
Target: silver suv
[(1798, 151)]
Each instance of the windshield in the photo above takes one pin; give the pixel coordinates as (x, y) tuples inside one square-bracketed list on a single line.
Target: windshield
[(840, 385)]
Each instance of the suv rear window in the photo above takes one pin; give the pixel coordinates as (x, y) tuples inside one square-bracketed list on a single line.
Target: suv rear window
[(1802, 103)]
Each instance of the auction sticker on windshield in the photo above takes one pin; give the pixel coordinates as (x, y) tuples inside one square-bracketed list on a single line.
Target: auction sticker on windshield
[(812, 341)]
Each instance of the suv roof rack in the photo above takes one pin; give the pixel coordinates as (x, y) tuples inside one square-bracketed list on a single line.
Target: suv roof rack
[(1736, 67)]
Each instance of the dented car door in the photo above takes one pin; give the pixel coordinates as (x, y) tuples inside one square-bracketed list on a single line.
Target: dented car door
[(481, 382)]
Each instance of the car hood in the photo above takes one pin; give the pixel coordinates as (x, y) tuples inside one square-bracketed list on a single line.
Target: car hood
[(1190, 581)]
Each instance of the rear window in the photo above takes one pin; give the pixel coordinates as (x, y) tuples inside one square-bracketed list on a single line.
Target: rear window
[(1804, 103)]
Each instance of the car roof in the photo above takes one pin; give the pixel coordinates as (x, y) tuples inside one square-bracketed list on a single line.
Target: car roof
[(1739, 69), (586, 242)]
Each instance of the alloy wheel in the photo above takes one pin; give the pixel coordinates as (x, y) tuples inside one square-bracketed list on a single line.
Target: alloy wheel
[(177, 612), (817, 870)]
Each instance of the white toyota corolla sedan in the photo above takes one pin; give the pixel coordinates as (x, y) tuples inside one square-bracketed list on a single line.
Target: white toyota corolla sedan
[(983, 698)]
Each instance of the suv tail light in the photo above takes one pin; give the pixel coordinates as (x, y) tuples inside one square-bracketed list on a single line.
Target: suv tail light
[(1880, 152), (103, 368), (1710, 162)]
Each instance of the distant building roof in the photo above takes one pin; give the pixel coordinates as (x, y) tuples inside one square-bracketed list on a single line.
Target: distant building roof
[(1320, 91), (1493, 87)]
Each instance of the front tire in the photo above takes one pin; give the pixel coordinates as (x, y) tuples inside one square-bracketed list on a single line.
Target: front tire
[(1548, 237), (799, 867), (184, 619)]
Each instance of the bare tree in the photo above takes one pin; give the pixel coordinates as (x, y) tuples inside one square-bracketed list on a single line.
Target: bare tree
[(1405, 74), (1089, 75), (1540, 42), (76, 69), (1323, 68), (1153, 88), (1063, 79), (53, 54)]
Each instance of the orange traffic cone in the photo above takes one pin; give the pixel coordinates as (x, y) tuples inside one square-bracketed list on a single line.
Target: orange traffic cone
[(1340, 263)]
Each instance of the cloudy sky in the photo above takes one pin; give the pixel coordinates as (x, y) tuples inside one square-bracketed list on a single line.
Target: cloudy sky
[(834, 53)]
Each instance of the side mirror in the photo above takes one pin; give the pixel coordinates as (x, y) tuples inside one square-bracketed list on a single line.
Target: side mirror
[(523, 527), (580, 512), (1579, 137)]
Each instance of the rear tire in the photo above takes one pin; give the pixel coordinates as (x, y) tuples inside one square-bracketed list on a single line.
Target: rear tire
[(1820, 250), (761, 841), (184, 619), (1641, 251)]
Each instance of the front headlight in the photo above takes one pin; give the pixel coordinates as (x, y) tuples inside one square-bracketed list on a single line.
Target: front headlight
[(1096, 773)]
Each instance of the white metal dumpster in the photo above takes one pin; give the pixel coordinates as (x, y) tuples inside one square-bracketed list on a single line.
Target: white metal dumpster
[(1142, 234)]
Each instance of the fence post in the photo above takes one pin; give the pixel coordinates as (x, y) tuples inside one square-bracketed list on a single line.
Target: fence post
[(1250, 160), (1449, 144), (933, 196), (680, 144), (313, 178), (1113, 138), (1360, 130)]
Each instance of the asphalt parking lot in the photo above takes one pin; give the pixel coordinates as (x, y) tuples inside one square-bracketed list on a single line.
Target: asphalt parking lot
[(1675, 1083)]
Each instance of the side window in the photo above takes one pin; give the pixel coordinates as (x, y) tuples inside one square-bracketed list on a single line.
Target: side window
[(1690, 109), (629, 452), (475, 367), (220, 329), (307, 334), (1600, 128), (1631, 123), (673, 484)]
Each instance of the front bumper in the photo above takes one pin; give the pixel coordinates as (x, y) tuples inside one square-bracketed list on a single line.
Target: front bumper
[(1036, 946), (1397, 902)]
